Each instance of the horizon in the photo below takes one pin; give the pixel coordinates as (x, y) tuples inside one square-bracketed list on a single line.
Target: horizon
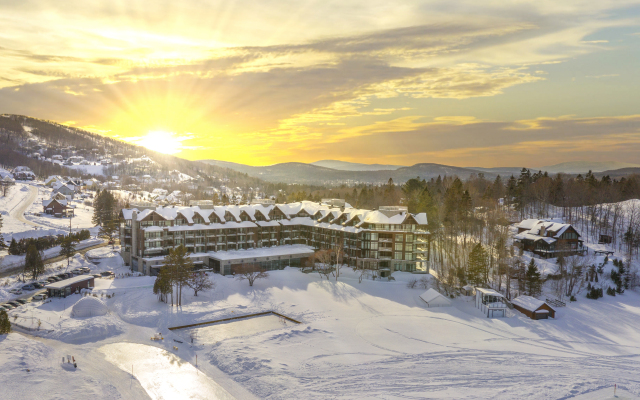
[(458, 84)]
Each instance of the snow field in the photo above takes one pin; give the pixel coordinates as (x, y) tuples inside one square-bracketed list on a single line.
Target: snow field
[(374, 339)]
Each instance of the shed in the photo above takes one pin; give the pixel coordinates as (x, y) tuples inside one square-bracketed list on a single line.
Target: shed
[(435, 299), (533, 308), (468, 290), (66, 287)]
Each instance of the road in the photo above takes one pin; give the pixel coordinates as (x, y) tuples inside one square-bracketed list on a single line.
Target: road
[(18, 211), (13, 271)]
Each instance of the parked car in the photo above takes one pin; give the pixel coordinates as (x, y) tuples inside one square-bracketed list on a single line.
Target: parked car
[(107, 273), (28, 287), (44, 282), (111, 242), (15, 304), (97, 276), (22, 301), (8, 306), (86, 270), (40, 296), (15, 291)]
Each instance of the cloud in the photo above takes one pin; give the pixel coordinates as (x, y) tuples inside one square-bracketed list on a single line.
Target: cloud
[(266, 80)]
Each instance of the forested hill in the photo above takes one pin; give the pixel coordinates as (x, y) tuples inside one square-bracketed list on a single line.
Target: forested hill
[(314, 174), (21, 136)]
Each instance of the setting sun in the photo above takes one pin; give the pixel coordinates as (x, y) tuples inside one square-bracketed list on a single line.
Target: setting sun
[(162, 142)]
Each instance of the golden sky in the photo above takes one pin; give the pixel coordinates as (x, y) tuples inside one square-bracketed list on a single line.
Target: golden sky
[(466, 83)]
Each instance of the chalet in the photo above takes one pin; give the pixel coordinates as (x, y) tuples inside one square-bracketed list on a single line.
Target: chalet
[(548, 238), (52, 180), (65, 189), (533, 308), (58, 208)]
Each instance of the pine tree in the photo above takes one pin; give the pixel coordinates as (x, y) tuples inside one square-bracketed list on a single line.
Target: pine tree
[(67, 248), (477, 266), (532, 278), (13, 248), (178, 268), (162, 286), (33, 264), (5, 325), (108, 230)]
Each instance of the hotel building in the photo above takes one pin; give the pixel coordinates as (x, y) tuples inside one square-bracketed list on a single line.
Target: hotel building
[(274, 235)]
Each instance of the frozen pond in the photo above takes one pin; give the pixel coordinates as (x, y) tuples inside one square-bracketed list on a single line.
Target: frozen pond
[(162, 374), (211, 334)]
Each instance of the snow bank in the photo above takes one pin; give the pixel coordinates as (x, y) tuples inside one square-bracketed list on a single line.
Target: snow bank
[(85, 330)]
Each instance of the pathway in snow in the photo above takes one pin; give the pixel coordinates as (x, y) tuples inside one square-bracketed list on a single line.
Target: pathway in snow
[(18, 211), (162, 374)]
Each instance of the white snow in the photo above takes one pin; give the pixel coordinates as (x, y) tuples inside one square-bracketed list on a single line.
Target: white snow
[(374, 339), (88, 307)]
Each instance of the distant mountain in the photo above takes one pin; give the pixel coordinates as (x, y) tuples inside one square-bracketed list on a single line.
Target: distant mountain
[(582, 167), (349, 166), (618, 173), (313, 174), (502, 171)]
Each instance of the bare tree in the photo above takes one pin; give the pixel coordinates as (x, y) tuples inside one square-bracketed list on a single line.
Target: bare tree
[(250, 272), (323, 263), (199, 281)]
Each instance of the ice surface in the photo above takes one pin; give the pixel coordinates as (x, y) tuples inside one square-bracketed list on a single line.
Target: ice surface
[(162, 374)]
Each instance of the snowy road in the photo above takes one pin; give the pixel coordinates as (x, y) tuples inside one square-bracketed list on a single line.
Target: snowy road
[(18, 211)]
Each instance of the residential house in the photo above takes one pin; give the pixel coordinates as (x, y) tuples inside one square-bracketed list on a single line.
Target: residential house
[(548, 238)]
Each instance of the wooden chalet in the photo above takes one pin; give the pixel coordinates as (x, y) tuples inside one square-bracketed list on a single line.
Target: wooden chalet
[(548, 238)]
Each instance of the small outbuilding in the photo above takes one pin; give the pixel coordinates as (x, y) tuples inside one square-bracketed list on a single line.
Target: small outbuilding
[(435, 299), (468, 290), (533, 308), (66, 287)]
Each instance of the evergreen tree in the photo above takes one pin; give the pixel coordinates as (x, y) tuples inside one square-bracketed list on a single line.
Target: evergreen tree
[(532, 278), (33, 263), (5, 325), (104, 206), (478, 264), (13, 248), (162, 286), (178, 268), (67, 248), (108, 230)]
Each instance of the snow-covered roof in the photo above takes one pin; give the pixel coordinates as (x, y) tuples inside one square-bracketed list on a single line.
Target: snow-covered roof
[(290, 210), (528, 303), (540, 229), (431, 294), (250, 254), (66, 282), (489, 292)]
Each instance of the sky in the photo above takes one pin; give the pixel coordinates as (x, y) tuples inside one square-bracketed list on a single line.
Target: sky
[(467, 83)]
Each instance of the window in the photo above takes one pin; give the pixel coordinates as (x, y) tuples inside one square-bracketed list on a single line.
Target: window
[(397, 255), (408, 256), (398, 246), (409, 237), (399, 238), (408, 247)]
